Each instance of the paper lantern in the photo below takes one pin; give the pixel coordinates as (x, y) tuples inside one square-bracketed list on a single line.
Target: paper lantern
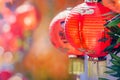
[(57, 35), (27, 19), (84, 28), (27, 16)]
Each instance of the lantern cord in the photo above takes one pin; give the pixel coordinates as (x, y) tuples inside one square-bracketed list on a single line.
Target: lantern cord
[(95, 62), (97, 68), (72, 66), (92, 70)]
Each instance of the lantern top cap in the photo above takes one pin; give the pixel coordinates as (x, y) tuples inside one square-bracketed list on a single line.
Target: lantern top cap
[(90, 0)]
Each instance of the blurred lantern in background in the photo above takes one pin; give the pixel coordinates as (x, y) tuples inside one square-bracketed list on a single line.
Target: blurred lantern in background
[(5, 75), (25, 22), (57, 34), (27, 16), (17, 21), (27, 19), (112, 4), (84, 28)]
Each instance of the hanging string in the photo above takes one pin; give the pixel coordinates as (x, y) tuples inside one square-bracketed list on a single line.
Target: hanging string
[(94, 62), (97, 68)]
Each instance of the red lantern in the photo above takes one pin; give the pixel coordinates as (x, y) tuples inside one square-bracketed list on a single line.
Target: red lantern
[(27, 18), (57, 35), (84, 28)]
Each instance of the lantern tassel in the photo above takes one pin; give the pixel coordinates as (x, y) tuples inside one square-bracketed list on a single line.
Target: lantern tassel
[(84, 76), (86, 66)]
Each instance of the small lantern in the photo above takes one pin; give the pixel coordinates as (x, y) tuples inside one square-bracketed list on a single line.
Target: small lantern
[(84, 28), (57, 34), (27, 19)]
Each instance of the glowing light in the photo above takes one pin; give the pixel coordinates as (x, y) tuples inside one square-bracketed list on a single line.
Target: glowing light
[(119, 1), (28, 21), (6, 28), (8, 57), (16, 77)]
